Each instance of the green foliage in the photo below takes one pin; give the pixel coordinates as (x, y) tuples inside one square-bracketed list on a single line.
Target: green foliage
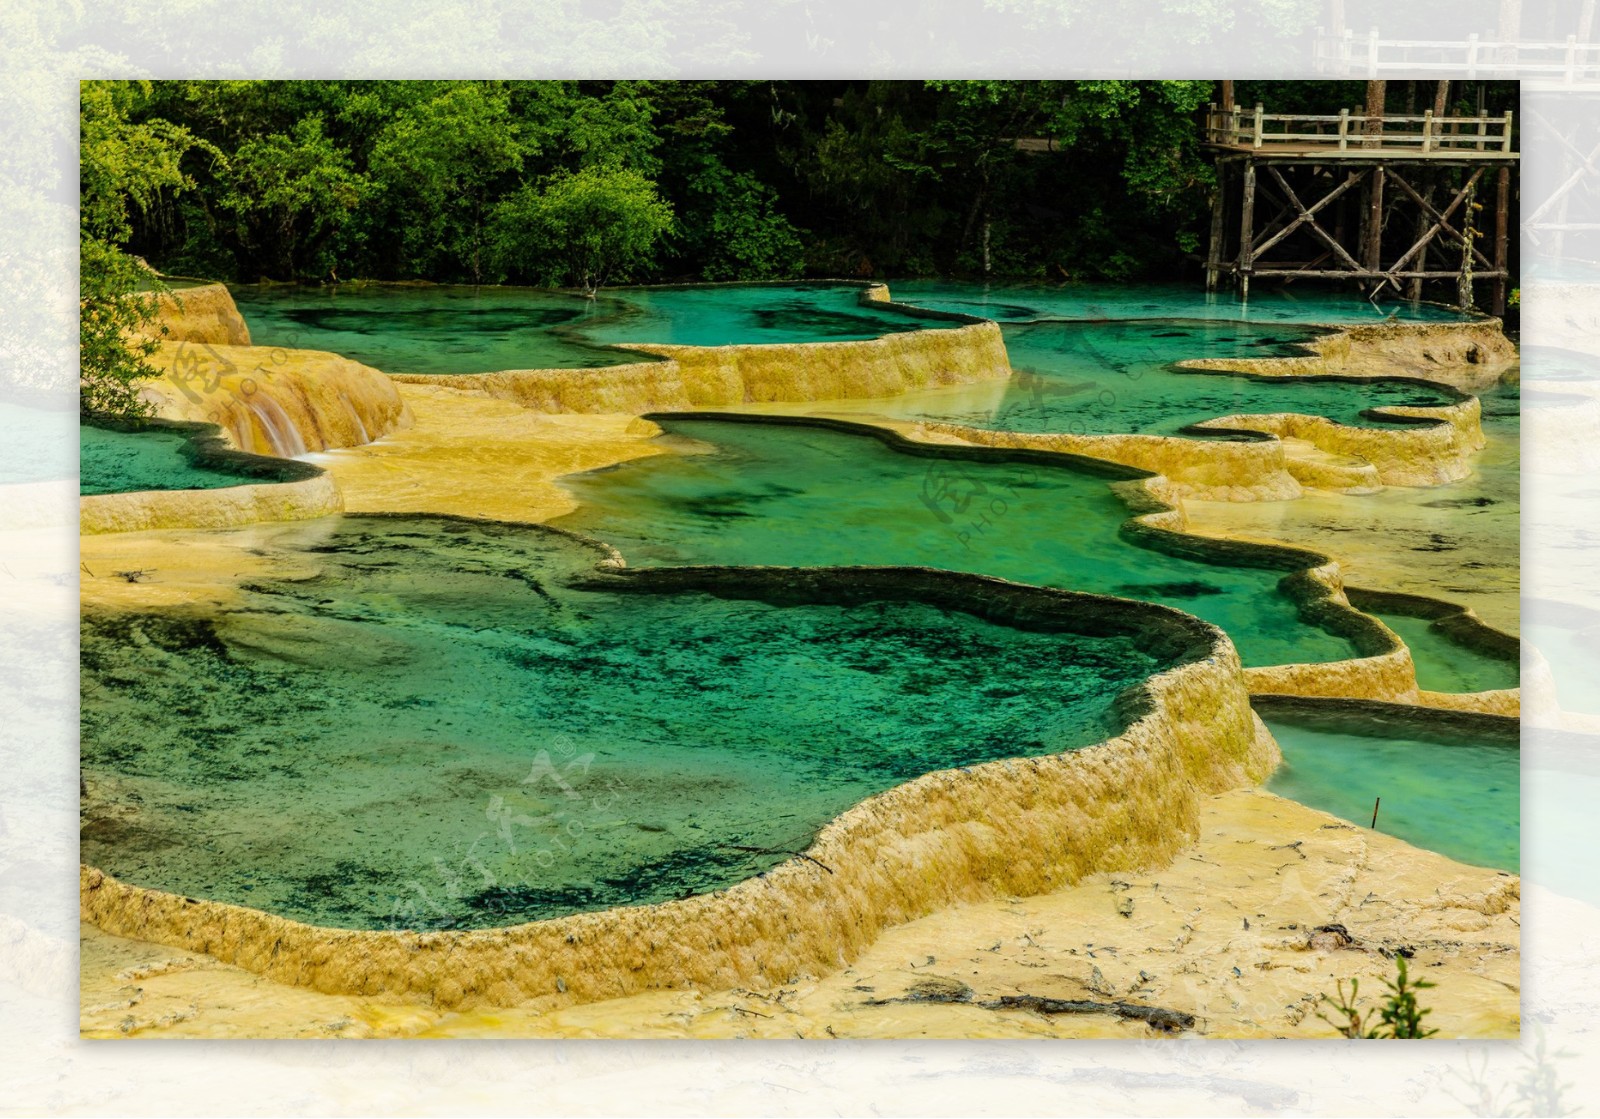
[(292, 193), (417, 179), (111, 359), (587, 228), (124, 168), (1399, 1017), (436, 163), (747, 238)]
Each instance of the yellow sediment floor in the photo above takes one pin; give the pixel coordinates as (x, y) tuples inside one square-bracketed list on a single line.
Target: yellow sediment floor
[(1225, 931), (469, 454), (1396, 540)]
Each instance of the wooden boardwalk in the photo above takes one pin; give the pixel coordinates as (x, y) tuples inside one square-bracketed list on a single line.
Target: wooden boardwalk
[(1386, 202)]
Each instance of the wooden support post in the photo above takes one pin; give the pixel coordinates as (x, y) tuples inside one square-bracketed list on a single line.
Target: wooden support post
[(1502, 233), (1247, 232), (1372, 240), (1218, 207), (1414, 287)]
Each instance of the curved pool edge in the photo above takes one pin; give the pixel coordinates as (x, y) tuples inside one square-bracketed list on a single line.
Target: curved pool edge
[(231, 507), (948, 836), (1466, 356), (1313, 580), (681, 377), (294, 491)]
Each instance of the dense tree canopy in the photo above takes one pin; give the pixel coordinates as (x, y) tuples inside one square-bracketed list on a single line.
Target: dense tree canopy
[(479, 181)]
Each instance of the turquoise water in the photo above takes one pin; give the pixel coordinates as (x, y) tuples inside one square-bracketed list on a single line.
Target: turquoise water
[(1102, 378), (761, 493), (431, 729), (1081, 376), (1453, 794), (452, 329), (1446, 666), (431, 328), (1025, 302), (125, 461), (751, 314)]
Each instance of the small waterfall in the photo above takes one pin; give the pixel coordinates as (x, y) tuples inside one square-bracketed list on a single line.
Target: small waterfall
[(355, 418), (282, 433)]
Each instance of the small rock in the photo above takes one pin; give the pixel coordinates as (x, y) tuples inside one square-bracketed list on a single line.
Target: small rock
[(1125, 907), (936, 988), (1330, 938), (1097, 983)]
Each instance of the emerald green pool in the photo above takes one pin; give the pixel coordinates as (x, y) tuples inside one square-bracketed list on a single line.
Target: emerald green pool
[(1028, 302), (1448, 666), (431, 328), (125, 461), (1102, 378), (455, 329), (751, 314), (432, 729), (768, 493), (1453, 793)]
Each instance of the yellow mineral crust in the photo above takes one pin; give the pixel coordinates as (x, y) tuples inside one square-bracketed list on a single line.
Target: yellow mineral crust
[(1223, 930), (1212, 469), (1470, 356), (473, 455), (227, 507), (1428, 453), (273, 401), (945, 838), (199, 314), (721, 376)]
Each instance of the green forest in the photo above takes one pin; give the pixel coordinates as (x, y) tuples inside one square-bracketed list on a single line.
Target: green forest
[(590, 183), (587, 183)]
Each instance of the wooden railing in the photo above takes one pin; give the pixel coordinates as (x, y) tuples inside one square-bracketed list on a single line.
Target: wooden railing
[(1346, 132), (1563, 62)]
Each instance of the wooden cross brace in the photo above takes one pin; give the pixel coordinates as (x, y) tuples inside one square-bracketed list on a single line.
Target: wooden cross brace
[(1308, 218), (1441, 221)]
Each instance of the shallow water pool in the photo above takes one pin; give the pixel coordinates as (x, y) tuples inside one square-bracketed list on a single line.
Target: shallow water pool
[(1103, 378), (429, 728), (111, 461), (1453, 792), (768, 493), (431, 328)]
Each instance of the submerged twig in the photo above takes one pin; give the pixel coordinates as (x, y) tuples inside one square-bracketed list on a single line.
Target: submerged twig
[(779, 851)]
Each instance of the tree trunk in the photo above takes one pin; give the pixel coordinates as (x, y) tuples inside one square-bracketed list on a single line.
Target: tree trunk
[(1227, 97), (1374, 114), (1441, 98)]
